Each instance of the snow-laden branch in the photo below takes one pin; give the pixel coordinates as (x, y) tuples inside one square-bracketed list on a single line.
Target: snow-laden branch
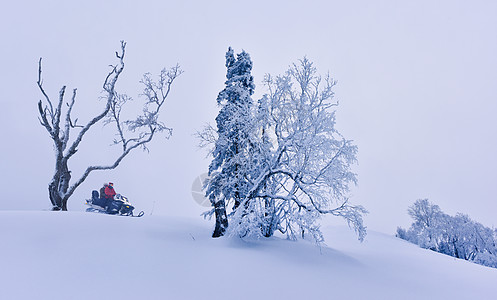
[(305, 170)]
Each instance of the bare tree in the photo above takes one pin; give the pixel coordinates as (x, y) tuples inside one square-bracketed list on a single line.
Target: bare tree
[(58, 121)]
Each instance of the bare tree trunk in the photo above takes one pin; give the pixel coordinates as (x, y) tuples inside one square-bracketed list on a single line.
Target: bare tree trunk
[(53, 193), (221, 219), (57, 189)]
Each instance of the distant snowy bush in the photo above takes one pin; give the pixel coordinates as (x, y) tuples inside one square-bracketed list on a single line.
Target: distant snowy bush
[(457, 236)]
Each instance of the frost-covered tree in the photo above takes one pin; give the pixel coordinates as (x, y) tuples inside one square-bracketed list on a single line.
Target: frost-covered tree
[(457, 236), (289, 164), (227, 171), (426, 218), (56, 117), (302, 163)]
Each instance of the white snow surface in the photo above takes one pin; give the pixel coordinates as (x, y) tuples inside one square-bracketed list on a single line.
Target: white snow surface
[(78, 255)]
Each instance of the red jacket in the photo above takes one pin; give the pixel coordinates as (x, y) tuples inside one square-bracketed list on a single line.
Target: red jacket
[(109, 192)]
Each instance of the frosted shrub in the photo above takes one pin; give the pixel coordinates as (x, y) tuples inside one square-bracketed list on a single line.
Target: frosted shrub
[(457, 236)]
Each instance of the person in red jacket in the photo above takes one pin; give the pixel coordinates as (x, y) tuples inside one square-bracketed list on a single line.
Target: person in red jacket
[(109, 191)]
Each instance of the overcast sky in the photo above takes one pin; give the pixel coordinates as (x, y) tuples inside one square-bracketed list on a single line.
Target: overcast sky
[(416, 84)]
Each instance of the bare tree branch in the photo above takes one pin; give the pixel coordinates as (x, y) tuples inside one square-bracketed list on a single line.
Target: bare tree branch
[(145, 126)]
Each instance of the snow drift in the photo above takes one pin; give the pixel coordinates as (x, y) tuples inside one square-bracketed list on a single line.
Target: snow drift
[(77, 255)]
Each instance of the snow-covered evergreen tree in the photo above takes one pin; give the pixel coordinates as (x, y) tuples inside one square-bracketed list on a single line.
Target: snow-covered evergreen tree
[(228, 170)]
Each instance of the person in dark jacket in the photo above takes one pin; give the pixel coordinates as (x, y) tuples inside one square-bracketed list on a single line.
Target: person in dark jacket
[(102, 191)]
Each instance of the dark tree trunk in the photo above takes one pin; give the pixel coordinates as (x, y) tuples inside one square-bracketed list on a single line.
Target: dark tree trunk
[(59, 186), (456, 252), (237, 198), (268, 227), (237, 187), (53, 193), (221, 219)]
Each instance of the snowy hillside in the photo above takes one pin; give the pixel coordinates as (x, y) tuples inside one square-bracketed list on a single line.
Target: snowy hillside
[(77, 255)]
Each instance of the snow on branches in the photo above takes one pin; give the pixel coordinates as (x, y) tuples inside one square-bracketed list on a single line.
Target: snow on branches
[(289, 165), (457, 236)]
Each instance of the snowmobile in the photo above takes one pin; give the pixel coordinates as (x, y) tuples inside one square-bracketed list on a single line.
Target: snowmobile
[(117, 206)]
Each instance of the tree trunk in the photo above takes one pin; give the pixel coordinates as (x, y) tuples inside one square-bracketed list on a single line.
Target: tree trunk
[(59, 185), (237, 188), (53, 193), (268, 227), (221, 219)]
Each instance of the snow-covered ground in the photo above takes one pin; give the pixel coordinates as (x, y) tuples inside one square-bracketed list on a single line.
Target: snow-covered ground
[(78, 255)]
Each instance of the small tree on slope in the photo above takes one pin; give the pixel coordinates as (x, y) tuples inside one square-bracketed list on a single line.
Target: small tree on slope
[(58, 121)]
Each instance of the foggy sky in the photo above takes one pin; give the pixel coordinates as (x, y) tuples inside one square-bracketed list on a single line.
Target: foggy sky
[(416, 86)]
